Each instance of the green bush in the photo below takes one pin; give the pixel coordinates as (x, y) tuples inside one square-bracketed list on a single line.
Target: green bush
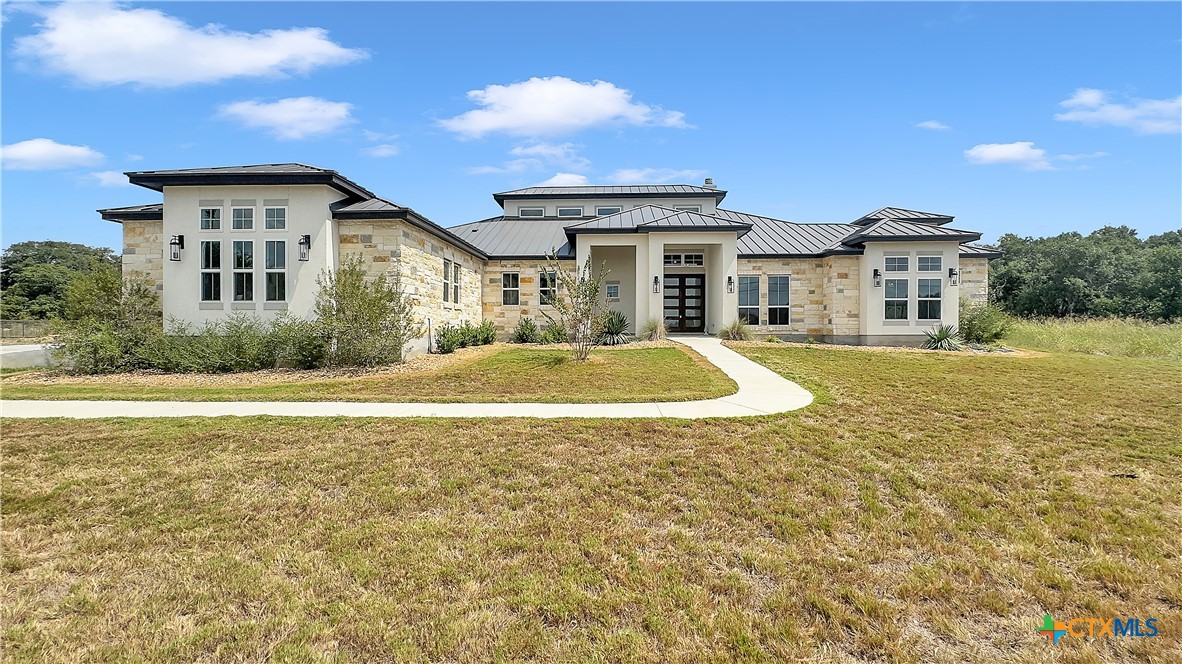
[(367, 322), (486, 333), (448, 338), (653, 330), (983, 323), (943, 337), (614, 329), (553, 334), (736, 331), (109, 322), (772, 339), (526, 332)]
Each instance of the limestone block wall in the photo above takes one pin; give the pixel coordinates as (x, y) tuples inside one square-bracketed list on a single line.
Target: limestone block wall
[(506, 317), (841, 296), (806, 286), (143, 251), (974, 279)]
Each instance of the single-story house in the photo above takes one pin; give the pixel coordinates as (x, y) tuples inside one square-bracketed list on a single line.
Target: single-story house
[(255, 238)]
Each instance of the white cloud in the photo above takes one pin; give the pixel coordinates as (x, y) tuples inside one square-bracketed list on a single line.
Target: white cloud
[(109, 179), (134, 157), (383, 150), (1081, 157), (108, 44), (377, 136), (39, 154), (291, 118), (653, 175), (933, 124), (1021, 153), (564, 180), (539, 156), (1145, 116), (554, 106)]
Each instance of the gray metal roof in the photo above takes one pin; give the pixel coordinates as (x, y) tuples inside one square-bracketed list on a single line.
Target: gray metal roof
[(979, 251), (368, 205), (890, 229), (612, 191), (517, 238), (776, 237), (149, 212), (290, 167), (252, 174), (654, 217), (903, 214)]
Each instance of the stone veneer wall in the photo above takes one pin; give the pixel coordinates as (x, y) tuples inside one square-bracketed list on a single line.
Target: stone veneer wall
[(507, 317), (842, 303), (974, 279), (143, 251), (822, 295), (392, 246)]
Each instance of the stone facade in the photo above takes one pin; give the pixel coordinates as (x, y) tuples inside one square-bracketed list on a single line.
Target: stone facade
[(143, 251), (822, 295), (506, 317), (841, 295), (974, 279)]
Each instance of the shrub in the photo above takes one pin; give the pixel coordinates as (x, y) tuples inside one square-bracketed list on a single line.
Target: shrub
[(109, 322), (486, 333), (295, 343), (576, 305), (367, 322), (653, 330), (943, 337), (526, 332), (237, 343), (615, 329), (553, 334), (736, 331), (772, 339), (448, 338), (983, 323)]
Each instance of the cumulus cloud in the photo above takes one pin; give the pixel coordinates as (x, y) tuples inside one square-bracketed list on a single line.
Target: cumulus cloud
[(935, 125), (1081, 157), (653, 175), (539, 156), (383, 150), (108, 44), (1021, 153), (291, 118), (1145, 116), (564, 180), (109, 179), (40, 154), (554, 106)]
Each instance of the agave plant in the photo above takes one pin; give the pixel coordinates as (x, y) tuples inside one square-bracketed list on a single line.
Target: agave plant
[(943, 337), (615, 329)]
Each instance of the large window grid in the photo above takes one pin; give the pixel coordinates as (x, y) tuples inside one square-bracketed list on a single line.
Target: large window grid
[(778, 307), (749, 299)]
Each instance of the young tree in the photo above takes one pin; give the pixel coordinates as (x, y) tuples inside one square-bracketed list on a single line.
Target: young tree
[(576, 304), (368, 322)]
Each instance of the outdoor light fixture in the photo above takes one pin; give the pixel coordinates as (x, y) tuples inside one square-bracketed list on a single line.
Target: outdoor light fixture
[(174, 247), (305, 245), (953, 276), (656, 284), (877, 278), (730, 284)]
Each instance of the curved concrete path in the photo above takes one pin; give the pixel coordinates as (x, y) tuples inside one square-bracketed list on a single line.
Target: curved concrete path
[(761, 392)]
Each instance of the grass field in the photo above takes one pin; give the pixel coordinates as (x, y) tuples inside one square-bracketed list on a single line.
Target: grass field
[(508, 374), (927, 508), (1111, 336)]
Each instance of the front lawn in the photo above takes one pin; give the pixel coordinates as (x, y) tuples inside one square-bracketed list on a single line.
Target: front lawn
[(506, 374), (927, 508)]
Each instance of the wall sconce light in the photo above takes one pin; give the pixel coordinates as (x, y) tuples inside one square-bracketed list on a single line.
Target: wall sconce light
[(305, 245), (730, 284), (953, 276), (174, 247), (656, 284), (877, 278)]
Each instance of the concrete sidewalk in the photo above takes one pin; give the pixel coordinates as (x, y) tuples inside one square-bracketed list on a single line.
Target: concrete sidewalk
[(761, 392)]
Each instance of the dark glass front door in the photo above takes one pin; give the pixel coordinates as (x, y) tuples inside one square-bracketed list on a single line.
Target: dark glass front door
[(685, 302)]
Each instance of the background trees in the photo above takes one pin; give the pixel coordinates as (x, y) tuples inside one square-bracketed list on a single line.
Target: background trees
[(34, 276)]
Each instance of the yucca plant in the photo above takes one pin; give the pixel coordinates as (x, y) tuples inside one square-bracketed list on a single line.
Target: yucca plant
[(654, 330), (943, 337), (615, 329), (736, 331)]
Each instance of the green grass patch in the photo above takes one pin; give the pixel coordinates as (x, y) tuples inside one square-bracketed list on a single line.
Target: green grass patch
[(1109, 336)]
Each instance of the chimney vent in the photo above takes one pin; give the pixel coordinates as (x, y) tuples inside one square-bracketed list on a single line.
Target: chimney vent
[(709, 184)]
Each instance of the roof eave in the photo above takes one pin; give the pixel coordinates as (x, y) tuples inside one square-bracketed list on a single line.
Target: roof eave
[(158, 181), (120, 217), (500, 198)]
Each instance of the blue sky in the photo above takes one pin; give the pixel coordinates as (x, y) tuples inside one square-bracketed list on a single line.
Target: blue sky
[(1036, 118)]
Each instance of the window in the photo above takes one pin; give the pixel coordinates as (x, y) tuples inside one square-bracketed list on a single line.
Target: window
[(600, 211), (531, 212), (455, 282), (275, 267), (211, 271), (242, 219), (570, 211), (927, 301), (613, 290), (693, 259), (547, 287), (243, 270), (928, 263), (673, 259), (211, 219), (688, 208), (896, 299), (778, 312), (447, 281), (275, 218), (749, 299), (510, 288), (896, 263)]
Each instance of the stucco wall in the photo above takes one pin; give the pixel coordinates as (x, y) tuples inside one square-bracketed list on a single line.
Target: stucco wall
[(551, 205), (143, 251), (506, 317), (974, 279), (873, 304)]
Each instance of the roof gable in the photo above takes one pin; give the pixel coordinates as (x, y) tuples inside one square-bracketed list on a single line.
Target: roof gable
[(903, 214), (649, 218), (890, 230), (253, 174)]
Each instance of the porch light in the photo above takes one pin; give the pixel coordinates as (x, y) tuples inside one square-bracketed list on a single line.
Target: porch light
[(305, 245), (174, 247), (877, 278), (953, 276), (656, 284), (730, 284)]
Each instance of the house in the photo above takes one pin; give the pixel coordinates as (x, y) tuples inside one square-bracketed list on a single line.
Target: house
[(254, 239)]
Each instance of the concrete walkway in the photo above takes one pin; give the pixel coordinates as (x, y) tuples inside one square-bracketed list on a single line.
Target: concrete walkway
[(761, 392), (24, 355)]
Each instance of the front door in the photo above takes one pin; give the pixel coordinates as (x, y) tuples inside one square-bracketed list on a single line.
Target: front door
[(685, 302)]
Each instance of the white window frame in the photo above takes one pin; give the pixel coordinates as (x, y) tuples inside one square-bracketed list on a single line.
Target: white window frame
[(920, 262), (612, 291), (920, 298), (547, 284), (235, 270), (268, 270), (234, 218), (215, 270), (785, 308), (891, 263), (887, 301), (515, 289), (615, 209), (528, 211), (267, 222), (578, 210), (749, 307), (455, 283), (688, 208), (446, 281), (672, 260), (202, 220)]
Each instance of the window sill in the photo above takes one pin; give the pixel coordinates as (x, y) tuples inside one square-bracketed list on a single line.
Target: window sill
[(275, 306), (242, 306), (212, 306)]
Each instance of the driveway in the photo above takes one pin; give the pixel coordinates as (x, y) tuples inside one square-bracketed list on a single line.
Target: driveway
[(21, 356)]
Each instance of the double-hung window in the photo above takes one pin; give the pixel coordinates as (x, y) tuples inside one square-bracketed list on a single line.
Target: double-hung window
[(211, 219), (749, 299), (243, 268), (548, 287), (446, 281), (778, 311), (896, 263), (211, 270), (242, 219), (455, 282), (928, 263), (275, 269), (896, 299), (510, 288), (927, 299), (275, 218)]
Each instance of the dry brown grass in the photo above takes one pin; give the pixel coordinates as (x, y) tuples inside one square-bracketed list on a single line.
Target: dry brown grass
[(928, 508)]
